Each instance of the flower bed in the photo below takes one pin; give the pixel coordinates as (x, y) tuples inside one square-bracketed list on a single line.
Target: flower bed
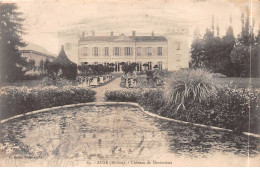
[(18, 100), (231, 109)]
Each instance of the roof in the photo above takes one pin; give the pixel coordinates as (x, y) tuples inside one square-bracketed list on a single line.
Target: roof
[(150, 38), (124, 38), (62, 58), (37, 49)]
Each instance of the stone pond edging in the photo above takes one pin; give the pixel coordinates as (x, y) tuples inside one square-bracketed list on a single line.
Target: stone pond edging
[(130, 104)]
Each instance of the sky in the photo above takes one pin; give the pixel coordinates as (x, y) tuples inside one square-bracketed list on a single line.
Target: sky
[(45, 18)]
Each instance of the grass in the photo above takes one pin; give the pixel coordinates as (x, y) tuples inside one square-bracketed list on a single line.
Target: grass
[(28, 83), (237, 82)]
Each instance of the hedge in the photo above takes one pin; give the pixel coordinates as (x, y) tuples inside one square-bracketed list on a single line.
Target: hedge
[(18, 100), (231, 109)]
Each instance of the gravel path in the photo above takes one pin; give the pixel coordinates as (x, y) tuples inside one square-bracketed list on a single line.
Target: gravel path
[(100, 96)]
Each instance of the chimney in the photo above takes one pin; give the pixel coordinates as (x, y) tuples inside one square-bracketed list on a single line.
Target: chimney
[(152, 35), (93, 33), (133, 34), (83, 35), (112, 33)]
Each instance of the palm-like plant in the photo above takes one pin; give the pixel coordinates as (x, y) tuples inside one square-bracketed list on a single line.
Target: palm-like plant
[(189, 85)]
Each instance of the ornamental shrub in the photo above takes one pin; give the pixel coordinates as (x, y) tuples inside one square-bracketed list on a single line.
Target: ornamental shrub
[(152, 99), (124, 95), (18, 100), (185, 85), (236, 109)]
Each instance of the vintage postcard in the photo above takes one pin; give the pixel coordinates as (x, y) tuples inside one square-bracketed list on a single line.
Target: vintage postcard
[(127, 83)]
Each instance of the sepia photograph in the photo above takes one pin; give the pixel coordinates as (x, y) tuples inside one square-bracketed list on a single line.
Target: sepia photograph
[(129, 83)]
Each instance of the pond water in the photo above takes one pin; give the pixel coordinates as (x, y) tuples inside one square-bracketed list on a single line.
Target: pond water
[(112, 132)]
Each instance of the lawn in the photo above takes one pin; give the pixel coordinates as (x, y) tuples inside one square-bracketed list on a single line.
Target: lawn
[(237, 82), (28, 83)]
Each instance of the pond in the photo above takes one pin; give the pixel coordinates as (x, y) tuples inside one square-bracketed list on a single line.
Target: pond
[(74, 136)]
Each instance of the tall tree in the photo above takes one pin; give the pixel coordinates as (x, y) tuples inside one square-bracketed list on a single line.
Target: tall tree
[(244, 55), (197, 51), (228, 42), (11, 30)]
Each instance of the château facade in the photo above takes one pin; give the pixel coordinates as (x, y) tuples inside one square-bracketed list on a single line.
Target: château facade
[(151, 50), (170, 52)]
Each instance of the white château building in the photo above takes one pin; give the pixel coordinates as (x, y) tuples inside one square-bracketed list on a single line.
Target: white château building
[(169, 52)]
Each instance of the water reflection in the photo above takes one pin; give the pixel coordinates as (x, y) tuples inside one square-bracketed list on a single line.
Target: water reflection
[(113, 132)]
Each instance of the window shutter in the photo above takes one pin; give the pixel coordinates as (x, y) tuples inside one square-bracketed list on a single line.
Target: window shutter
[(131, 51), (93, 51)]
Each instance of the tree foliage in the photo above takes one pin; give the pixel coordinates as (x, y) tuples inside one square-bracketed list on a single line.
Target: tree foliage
[(244, 55), (11, 31), (95, 70), (128, 68), (227, 55), (212, 52)]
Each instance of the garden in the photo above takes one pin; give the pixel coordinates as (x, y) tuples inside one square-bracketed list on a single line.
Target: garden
[(94, 75), (147, 78), (63, 83), (194, 96)]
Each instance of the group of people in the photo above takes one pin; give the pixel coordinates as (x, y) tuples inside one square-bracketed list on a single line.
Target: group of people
[(93, 80)]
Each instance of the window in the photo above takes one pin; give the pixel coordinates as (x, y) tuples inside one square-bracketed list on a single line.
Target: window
[(159, 50), (178, 57), (160, 65), (127, 51), (84, 51), (106, 63), (117, 67), (95, 51), (68, 46), (139, 66), (149, 65), (149, 50), (106, 51), (117, 51), (178, 46), (138, 51), (84, 63)]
